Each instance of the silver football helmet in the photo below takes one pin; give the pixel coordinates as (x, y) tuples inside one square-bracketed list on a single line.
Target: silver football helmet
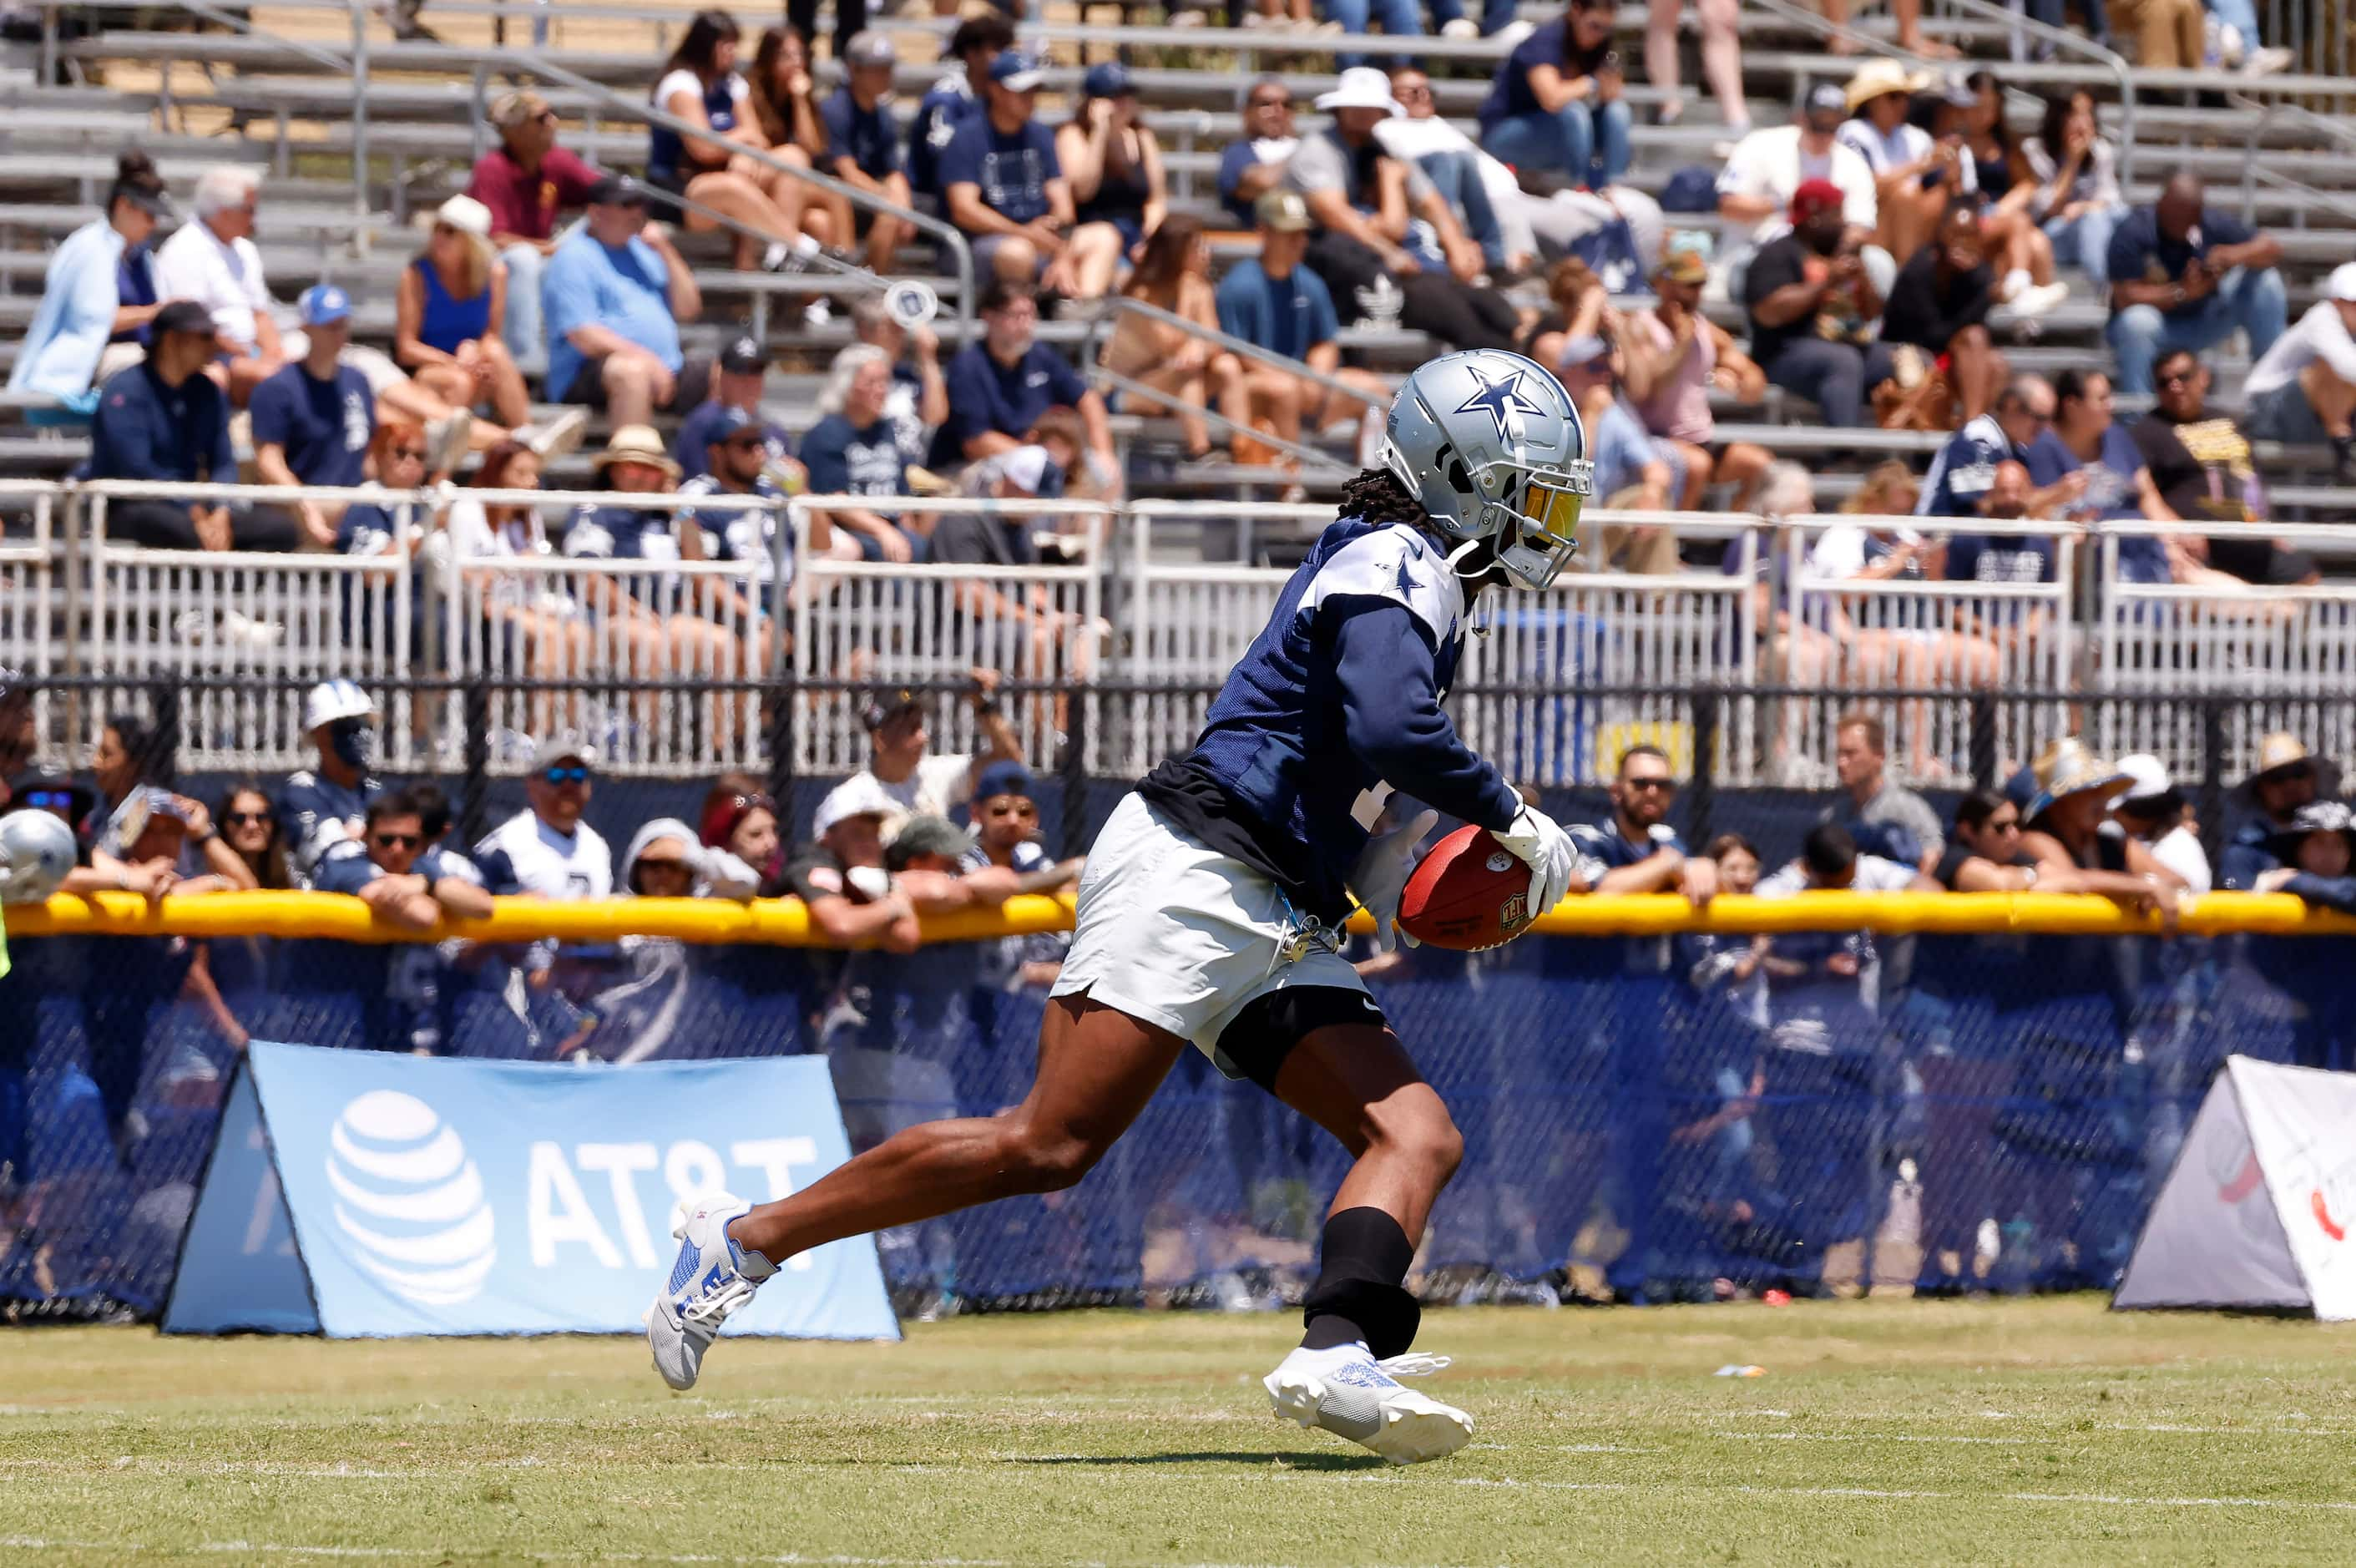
[(37, 850), (1491, 446)]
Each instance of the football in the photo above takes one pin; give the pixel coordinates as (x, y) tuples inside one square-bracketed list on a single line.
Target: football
[(1468, 894)]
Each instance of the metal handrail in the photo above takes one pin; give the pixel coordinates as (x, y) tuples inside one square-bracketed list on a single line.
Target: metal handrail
[(1115, 305), (520, 63)]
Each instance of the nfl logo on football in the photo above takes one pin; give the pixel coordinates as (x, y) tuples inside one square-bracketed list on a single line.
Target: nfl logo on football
[(1513, 911)]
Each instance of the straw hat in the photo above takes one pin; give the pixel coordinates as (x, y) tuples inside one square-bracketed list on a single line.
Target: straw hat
[(1877, 77), (2066, 768), (636, 444)]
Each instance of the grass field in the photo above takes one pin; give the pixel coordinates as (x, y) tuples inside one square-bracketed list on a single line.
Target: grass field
[(2041, 1431)]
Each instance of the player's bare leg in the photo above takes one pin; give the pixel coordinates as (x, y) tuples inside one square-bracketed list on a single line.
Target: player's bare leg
[(1355, 1081), (1097, 1070)]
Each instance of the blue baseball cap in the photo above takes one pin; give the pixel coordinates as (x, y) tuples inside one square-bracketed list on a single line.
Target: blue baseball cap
[(1110, 80), (323, 304), (1002, 778), (1016, 72), (732, 420)]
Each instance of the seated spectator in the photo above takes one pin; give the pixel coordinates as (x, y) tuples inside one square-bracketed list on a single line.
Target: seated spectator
[(2201, 467), (214, 262), (313, 420), (528, 182), (2073, 170), (1020, 627), (644, 609), (739, 822), (1637, 850), (2085, 439), (853, 450), (1631, 473), (1878, 812), (1274, 302), (1983, 854), (1721, 61), (901, 770), (743, 374), (2155, 815), (1174, 275), (324, 804), (1559, 103), (522, 621), (249, 825), (2314, 852), (919, 400), (1004, 188), (1769, 165), (1814, 310), (783, 96), (617, 292), (1364, 202), (1961, 472), (863, 145), (1113, 166), (2078, 847), (2288, 777), (735, 464), (1973, 116), (1582, 309), (959, 95), (1939, 305), (164, 419), (1674, 357), (2302, 393), (392, 868), (446, 313), (1458, 170), (2170, 34), (999, 386), (664, 861), (2005, 557), (1250, 168), (700, 84), (1915, 179), (2187, 276), (88, 325)]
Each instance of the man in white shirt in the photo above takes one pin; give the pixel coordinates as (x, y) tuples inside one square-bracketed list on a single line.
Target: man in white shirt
[(2153, 811), (2302, 391), (899, 764), (214, 262), (1769, 165), (546, 850)]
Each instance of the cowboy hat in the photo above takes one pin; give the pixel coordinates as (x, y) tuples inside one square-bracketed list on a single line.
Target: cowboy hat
[(2278, 753), (636, 444), (2067, 768), (1876, 77)]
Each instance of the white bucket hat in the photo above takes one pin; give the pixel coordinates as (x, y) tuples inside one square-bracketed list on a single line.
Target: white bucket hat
[(1362, 87)]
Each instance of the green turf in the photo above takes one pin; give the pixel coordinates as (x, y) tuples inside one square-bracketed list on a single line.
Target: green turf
[(1883, 1432)]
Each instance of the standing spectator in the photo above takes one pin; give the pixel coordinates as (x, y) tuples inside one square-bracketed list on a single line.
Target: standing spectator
[(2086, 440), (1940, 305), (700, 84), (1769, 165), (959, 95), (86, 318), (393, 868), (740, 820), (617, 292), (1674, 357), (1637, 850), (850, 21), (1250, 168), (2075, 171), (1006, 835), (2302, 393), (902, 772), (999, 386), (1882, 815), (1113, 166), (1721, 61), (2288, 777), (1985, 854), (1559, 103), (213, 262), (853, 450), (644, 607), (164, 419), (2187, 276), (1629, 473), (325, 803), (313, 420), (664, 861), (744, 372), (1174, 275), (2154, 812), (1961, 472), (1003, 186), (546, 850), (446, 311), (863, 143), (2204, 472), (919, 400), (1274, 302), (2068, 828), (527, 182), (1363, 201), (1814, 309)]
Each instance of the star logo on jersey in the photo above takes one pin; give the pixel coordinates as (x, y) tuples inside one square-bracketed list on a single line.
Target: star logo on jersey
[(1501, 398)]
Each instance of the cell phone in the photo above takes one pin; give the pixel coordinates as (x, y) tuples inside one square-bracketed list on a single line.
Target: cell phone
[(1611, 60)]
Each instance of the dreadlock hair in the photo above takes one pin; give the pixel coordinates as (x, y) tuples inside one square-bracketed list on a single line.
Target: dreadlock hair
[(1377, 496)]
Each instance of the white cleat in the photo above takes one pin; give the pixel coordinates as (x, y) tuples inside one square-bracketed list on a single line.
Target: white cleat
[(708, 1280), (1347, 1392)]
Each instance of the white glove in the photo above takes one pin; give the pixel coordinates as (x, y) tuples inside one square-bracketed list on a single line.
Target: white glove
[(1381, 874), (1534, 838)]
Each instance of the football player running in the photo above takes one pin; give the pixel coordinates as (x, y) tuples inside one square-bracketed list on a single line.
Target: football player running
[(1210, 912)]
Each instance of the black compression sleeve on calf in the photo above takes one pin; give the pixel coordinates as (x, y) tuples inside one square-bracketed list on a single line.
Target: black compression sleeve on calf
[(1358, 1296)]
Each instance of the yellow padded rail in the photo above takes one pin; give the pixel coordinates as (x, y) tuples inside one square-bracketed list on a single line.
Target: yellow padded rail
[(783, 922)]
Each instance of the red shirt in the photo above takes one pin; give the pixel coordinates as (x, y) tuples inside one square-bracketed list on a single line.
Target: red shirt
[(527, 203)]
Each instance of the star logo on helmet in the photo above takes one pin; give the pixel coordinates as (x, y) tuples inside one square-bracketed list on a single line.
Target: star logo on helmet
[(1501, 398)]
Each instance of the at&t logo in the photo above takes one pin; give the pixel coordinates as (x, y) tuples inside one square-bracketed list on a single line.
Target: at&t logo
[(410, 1199)]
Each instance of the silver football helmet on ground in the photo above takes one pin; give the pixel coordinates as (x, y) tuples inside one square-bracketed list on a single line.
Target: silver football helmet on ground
[(37, 850), (1491, 446)]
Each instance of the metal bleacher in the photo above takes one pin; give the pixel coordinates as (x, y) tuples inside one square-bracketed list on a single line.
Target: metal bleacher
[(316, 92)]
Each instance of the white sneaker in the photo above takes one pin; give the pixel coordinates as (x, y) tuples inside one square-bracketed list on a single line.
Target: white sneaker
[(710, 1279), (558, 435), (1459, 28), (2267, 62), (2037, 298), (1350, 1394)]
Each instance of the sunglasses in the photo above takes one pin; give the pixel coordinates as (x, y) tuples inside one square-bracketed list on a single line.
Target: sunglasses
[(666, 865), (413, 453), (574, 774), (397, 840), (2178, 377), (245, 819), (751, 803), (1650, 783), (48, 800)]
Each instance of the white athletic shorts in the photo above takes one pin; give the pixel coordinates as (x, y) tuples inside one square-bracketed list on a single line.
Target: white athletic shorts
[(1185, 938)]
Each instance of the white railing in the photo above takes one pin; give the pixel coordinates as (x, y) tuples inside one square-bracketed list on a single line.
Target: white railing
[(656, 659)]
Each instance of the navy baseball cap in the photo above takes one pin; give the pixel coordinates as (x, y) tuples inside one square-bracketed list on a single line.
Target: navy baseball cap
[(743, 356), (618, 190), (322, 303), (732, 421), (1002, 778), (1110, 80), (1016, 72), (184, 316)]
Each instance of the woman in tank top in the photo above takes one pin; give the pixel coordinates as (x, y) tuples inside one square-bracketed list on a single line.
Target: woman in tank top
[(1114, 166), (1174, 274), (699, 85), (446, 315)]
